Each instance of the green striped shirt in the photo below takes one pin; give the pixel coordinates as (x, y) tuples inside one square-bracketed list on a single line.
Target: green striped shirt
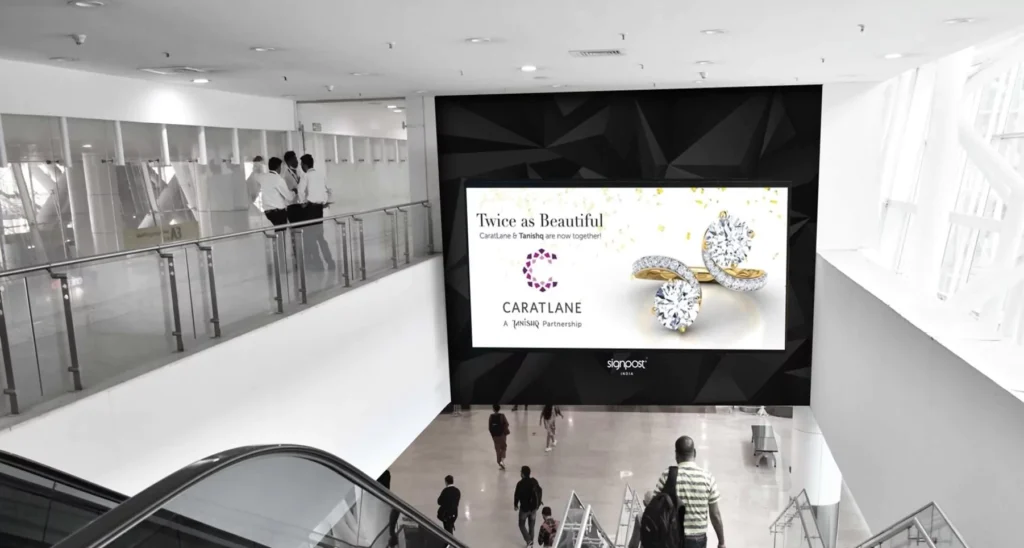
[(696, 489)]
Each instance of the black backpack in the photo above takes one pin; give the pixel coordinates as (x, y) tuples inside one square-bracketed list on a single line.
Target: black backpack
[(495, 426), (661, 525)]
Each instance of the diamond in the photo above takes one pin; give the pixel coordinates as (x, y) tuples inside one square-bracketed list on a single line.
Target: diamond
[(728, 240), (677, 303)]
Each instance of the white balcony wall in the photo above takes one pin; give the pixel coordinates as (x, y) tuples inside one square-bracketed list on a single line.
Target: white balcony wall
[(330, 376), (908, 420)]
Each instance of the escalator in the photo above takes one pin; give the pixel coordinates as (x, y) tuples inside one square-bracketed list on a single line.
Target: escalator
[(249, 497)]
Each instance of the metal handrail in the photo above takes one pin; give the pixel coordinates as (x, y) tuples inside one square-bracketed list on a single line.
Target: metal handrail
[(904, 523), (795, 500), (899, 528), (197, 241), (583, 528), (120, 520), (565, 518)]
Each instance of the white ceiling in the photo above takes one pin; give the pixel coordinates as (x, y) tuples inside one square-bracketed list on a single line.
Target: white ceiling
[(323, 41)]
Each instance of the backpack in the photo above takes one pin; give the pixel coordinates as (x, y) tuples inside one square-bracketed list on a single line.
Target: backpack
[(548, 530), (662, 523), (495, 426)]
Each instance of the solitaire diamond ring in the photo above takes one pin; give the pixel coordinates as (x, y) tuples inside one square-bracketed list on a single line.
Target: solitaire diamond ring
[(726, 244), (677, 302)]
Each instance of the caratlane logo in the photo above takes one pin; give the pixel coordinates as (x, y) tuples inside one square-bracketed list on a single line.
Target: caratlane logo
[(627, 367)]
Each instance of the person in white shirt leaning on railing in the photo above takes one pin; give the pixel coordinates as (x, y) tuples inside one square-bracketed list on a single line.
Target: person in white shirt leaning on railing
[(275, 193), (314, 195)]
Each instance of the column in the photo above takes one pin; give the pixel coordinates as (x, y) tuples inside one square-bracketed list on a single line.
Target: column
[(815, 471), (422, 153)]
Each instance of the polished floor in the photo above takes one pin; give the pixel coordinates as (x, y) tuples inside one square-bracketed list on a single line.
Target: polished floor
[(598, 454)]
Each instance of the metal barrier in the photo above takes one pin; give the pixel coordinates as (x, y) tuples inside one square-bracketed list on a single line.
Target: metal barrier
[(119, 310)]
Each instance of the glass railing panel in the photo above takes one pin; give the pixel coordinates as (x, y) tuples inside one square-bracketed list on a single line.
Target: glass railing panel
[(594, 535), (25, 369), (377, 231), (321, 244), (572, 523), (938, 528), (244, 278)]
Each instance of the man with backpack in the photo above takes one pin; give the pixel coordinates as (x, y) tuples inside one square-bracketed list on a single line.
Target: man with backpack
[(528, 498), (686, 498), (497, 426)]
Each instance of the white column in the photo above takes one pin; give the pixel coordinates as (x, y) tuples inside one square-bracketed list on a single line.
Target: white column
[(421, 145), (939, 178), (204, 157), (815, 471), (290, 142), (236, 150), (118, 144), (65, 142), (3, 145), (165, 147), (337, 155), (264, 149)]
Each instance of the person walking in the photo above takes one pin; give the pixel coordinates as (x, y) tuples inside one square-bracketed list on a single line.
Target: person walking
[(548, 528), (385, 481), (314, 195), (497, 426), (528, 498), (697, 493), (292, 175), (547, 420), (448, 504), (275, 193)]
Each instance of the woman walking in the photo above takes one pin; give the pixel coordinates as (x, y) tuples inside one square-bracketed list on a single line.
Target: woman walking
[(547, 419)]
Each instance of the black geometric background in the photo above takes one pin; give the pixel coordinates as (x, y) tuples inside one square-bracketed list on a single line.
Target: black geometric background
[(692, 137)]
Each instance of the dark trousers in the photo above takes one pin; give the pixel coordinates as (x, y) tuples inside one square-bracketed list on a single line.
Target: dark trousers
[(700, 541), (277, 217), (316, 244), (296, 213), (449, 525)]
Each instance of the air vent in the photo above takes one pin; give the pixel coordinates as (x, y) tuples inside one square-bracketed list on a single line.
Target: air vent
[(165, 71), (597, 52)]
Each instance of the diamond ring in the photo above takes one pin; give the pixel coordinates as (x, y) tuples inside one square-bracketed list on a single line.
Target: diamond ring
[(725, 245), (678, 300)]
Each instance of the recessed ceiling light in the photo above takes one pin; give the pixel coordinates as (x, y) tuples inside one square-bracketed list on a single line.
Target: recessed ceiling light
[(201, 81), (262, 49), (398, 110), (421, 91), (87, 145), (959, 20), (712, 31), (359, 74), (87, 3), (705, 62), (698, 81), (478, 40), (63, 59), (392, 106), (557, 85), (289, 96), (893, 55), (528, 68), (540, 78)]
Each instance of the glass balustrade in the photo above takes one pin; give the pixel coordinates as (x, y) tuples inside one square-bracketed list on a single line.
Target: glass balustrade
[(928, 527), (795, 527), (80, 323)]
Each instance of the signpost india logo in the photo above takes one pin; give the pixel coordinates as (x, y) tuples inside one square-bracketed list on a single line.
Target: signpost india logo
[(537, 270)]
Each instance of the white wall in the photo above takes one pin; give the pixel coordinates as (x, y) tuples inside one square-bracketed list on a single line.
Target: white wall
[(50, 91), (909, 422), (852, 116), (349, 376), (354, 118)]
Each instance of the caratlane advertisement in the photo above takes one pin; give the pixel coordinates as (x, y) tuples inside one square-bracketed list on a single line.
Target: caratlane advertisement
[(628, 268)]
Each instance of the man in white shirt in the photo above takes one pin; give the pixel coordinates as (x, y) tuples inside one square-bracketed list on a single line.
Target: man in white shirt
[(314, 195), (292, 174), (276, 196)]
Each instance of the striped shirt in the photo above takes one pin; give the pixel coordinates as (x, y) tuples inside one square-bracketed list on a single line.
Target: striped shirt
[(696, 489)]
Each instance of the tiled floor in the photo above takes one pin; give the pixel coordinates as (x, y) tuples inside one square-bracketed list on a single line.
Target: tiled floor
[(598, 454)]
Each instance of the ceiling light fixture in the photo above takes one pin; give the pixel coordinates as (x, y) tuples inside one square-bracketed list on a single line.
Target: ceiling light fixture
[(705, 62), (892, 56), (359, 74), (712, 31), (557, 85), (959, 20), (262, 49), (392, 106), (478, 40), (63, 59), (200, 81), (87, 3), (398, 110), (87, 145), (698, 81), (528, 68)]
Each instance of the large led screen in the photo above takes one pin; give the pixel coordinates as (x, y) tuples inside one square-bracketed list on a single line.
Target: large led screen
[(627, 267)]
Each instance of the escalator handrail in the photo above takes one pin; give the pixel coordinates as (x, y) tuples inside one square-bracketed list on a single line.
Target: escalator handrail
[(57, 476), (137, 509)]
